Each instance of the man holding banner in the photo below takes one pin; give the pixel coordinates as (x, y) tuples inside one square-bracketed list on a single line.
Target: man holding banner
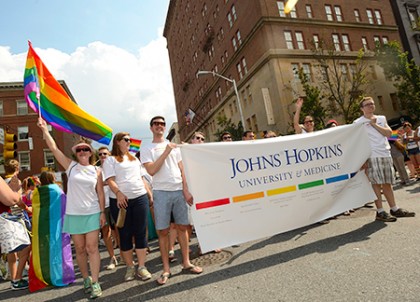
[(379, 165), (162, 160)]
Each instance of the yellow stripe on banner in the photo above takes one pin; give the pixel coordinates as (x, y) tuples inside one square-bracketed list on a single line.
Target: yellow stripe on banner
[(281, 190), (248, 197)]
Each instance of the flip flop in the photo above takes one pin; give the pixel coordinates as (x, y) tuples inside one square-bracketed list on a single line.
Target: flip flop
[(193, 269), (164, 278)]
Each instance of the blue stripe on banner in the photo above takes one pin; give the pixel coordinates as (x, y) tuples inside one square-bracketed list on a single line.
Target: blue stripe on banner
[(353, 174), (337, 178)]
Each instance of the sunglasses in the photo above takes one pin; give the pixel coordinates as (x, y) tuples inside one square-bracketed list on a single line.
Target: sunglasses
[(163, 124), (311, 121), (369, 104), (200, 138), (103, 154), (226, 137), (128, 140), (78, 150)]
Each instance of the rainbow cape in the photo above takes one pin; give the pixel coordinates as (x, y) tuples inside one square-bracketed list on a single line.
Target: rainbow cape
[(51, 259), (57, 108), (134, 145)]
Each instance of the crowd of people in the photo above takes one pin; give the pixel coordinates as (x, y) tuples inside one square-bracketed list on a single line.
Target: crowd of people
[(115, 199)]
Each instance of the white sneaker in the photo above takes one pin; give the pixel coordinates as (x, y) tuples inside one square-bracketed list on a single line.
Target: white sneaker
[(130, 274), (143, 273), (112, 264)]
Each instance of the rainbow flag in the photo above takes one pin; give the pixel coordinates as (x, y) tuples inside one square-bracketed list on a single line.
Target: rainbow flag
[(51, 259), (394, 135), (57, 108), (135, 145)]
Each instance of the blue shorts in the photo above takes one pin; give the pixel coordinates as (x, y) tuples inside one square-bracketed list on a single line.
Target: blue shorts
[(413, 151), (166, 203)]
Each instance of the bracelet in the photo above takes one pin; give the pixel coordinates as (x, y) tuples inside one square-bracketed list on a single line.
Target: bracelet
[(116, 193)]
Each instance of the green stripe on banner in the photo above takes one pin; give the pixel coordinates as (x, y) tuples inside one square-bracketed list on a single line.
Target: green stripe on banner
[(311, 184), (44, 232)]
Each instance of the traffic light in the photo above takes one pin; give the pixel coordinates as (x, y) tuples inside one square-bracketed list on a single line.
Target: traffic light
[(10, 146)]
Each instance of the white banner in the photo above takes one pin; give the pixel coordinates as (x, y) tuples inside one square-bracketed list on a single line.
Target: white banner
[(253, 189)]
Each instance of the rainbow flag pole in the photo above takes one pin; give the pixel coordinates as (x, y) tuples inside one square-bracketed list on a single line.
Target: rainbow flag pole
[(43, 91)]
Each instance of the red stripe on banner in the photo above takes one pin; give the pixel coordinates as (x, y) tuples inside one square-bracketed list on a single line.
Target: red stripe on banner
[(211, 204)]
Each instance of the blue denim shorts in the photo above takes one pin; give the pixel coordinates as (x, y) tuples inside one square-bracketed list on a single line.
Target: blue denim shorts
[(413, 151), (166, 203)]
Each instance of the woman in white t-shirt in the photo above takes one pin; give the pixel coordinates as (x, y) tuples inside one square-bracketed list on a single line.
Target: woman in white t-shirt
[(84, 208), (308, 121), (128, 191)]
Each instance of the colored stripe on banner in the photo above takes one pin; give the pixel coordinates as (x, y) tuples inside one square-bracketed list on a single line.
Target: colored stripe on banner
[(281, 190), (246, 197), (311, 184), (337, 178), (211, 204)]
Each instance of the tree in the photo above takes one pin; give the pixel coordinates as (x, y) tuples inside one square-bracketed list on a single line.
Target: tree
[(405, 72), (226, 124), (342, 81), (312, 104)]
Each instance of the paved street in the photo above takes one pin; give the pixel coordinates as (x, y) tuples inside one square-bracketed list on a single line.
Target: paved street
[(350, 259)]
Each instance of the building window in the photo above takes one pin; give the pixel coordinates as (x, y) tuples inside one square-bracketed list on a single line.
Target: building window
[(394, 101), (346, 42), (344, 72), (239, 68), (336, 42), (222, 33), (254, 122), (365, 43), (22, 107), (377, 41), (235, 46), (352, 68), (49, 159), (238, 37), (357, 15), (413, 16), (315, 41), (23, 133), (309, 11), (24, 161), (370, 16), (280, 6), (299, 40), (295, 70), (289, 40), (378, 17), (249, 93), (229, 16), (1, 108), (338, 14), (243, 61), (306, 68), (328, 12), (385, 40), (293, 13), (233, 10)]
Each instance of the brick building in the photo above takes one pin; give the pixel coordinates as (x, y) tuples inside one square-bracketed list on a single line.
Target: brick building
[(259, 46), (15, 116), (407, 15)]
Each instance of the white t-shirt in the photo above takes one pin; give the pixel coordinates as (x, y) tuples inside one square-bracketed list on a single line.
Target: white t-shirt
[(127, 176), (168, 178), (82, 198), (378, 142)]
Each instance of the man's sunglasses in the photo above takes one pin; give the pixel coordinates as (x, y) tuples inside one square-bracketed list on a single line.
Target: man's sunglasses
[(163, 124), (103, 154), (200, 138), (226, 137)]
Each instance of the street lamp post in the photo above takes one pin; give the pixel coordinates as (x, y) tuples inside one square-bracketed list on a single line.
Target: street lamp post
[(202, 72)]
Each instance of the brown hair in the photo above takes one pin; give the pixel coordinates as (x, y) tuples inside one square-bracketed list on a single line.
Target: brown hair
[(366, 98), (116, 152), (47, 178)]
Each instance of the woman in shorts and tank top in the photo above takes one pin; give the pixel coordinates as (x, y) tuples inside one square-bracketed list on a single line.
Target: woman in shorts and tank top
[(84, 209)]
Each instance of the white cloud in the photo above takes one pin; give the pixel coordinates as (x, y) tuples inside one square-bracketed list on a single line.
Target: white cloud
[(122, 89)]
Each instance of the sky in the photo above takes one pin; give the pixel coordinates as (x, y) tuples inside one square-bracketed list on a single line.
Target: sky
[(111, 54)]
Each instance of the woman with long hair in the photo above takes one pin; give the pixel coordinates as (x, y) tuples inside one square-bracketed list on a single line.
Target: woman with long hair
[(128, 193), (84, 209)]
